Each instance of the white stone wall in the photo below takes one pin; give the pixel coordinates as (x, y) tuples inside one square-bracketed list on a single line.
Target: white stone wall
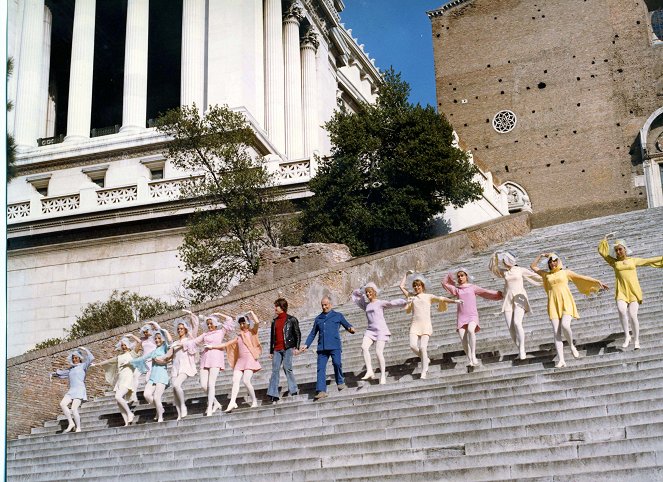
[(48, 286)]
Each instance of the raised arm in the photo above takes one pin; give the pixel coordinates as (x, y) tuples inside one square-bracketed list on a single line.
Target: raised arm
[(228, 321), (604, 251), (256, 322), (449, 284), (195, 323), (358, 299), (88, 359), (402, 286), (535, 264), (493, 266)]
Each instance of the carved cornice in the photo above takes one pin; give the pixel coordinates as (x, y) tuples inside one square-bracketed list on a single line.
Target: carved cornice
[(445, 8), (319, 21)]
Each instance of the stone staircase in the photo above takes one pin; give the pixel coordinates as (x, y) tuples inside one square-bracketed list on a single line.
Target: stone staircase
[(601, 417)]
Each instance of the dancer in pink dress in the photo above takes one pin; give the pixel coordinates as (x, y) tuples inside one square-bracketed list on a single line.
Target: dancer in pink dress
[(147, 343), (211, 359), (467, 315), (183, 355), (377, 331), (243, 352)]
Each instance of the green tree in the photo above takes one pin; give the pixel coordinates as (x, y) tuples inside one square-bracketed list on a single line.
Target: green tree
[(11, 145), (241, 214), (392, 168)]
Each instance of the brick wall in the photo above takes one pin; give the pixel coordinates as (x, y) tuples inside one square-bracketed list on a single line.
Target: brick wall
[(582, 78), (32, 399)]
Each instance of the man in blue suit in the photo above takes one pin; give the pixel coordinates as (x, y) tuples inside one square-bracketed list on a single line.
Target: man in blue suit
[(327, 326)]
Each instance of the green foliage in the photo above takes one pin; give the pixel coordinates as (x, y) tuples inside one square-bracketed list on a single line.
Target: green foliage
[(241, 215), (11, 145), (48, 343), (118, 310), (391, 170)]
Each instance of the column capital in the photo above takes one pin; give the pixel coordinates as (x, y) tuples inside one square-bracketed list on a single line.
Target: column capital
[(310, 39), (293, 13)]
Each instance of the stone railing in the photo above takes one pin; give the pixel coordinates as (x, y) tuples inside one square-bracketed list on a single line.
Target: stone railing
[(165, 190), (47, 141), (18, 210), (292, 172), (117, 195), (60, 204)]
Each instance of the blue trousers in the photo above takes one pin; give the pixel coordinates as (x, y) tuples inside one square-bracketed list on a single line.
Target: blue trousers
[(323, 357), (285, 357)]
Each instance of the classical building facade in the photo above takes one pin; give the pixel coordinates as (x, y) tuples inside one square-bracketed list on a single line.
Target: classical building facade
[(561, 100), (95, 206)]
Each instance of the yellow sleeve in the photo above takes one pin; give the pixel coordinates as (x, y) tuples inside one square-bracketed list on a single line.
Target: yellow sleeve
[(651, 262), (604, 251), (585, 284)]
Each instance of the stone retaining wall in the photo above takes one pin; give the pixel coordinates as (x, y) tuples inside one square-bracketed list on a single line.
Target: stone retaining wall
[(32, 398)]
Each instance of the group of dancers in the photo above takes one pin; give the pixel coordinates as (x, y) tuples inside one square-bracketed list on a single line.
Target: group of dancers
[(243, 349)]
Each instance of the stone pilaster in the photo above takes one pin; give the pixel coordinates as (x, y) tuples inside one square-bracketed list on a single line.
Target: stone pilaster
[(309, 47), (274, 78), (79, 110), (294, 143), (134, 101), (27, 123), (193, 54), (45, 70)]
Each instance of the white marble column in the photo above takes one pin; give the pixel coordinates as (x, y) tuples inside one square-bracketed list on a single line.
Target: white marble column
[(192, 89), (294, 142), (274, 80), (309, 47), (79, 109), (27, 123), (134, 101), (45, 70)]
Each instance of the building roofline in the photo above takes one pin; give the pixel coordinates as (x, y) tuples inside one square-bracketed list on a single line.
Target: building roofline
[(444, 8)]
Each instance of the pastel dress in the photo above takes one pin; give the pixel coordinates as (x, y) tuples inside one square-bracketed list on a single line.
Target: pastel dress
[(377, 329), (119, 372), (514, 287), (560, 299), (158, 373), (627, 285), (184, 358), (211, 358), (420, 305), (76, 375), (244, 351), (148, 347), (467, 312)]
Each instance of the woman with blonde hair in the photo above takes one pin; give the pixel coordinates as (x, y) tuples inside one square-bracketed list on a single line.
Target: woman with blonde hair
[(516, 303), (419, 304), (628, 294), (561, 305), (119, 374), (377, 331)]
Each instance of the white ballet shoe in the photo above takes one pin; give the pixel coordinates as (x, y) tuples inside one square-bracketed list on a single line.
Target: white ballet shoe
[(78, 429), (627, 342), (231, 407), (574, 351), (160, 420), (383, 381), (129, 420), (368, 376), (215, 406), (424, 375), (522, 356), (476, 362), (69, 428), (636, 345), (254, 404), (560, 364)]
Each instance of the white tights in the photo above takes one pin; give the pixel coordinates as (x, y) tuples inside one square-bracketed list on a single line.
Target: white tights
[(178, 395), (627, 311), (245, 377), (75, 403), (153, 393), (379, 351), (419, 345), (468, 338), (514, 322), (558, 328), (125, 411), (208, 382)]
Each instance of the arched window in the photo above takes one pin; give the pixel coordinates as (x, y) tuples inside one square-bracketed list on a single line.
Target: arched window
[(651, 143)]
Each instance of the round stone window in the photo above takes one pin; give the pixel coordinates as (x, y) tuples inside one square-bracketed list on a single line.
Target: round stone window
[(504, 121)]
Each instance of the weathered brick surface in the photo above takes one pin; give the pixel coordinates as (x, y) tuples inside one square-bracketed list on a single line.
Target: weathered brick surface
[(32, 399), (573, 148)]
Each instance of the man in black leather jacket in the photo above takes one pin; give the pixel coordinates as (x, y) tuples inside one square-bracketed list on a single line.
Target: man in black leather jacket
[(283, 345)]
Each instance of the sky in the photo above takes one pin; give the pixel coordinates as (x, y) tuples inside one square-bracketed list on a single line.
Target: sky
[(397, 33)]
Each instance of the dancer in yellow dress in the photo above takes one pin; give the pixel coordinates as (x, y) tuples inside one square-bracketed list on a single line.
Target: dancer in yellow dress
[(628, 293), (561, 305), (419, 304)]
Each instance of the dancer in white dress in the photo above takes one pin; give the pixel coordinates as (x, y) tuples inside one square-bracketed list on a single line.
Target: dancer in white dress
[(119, 374)]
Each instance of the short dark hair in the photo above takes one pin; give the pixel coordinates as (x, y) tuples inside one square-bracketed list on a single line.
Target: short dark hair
[(282, 303), (241, 320)]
